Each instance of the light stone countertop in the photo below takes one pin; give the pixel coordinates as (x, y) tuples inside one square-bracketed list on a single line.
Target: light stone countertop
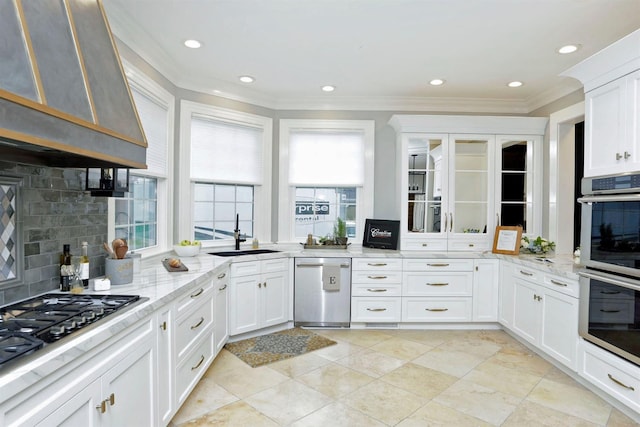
[(162, 287)]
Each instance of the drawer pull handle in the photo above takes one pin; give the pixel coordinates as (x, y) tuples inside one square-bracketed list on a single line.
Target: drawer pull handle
[(555, 282), (376, 290), (112, 399), (438, 265), (526, 273), (163, 325), (376, 309), (222, 276), (424, 245), (436, 309), (620, 383), (223, 288), (102, 407), (609, 311), (376, 277), (610, 292), (197, 325), (197, 294), (437, 284), (193, 368), (377, 264)]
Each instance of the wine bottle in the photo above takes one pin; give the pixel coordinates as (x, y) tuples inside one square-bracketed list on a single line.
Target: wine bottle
[(84, 265), (65, 268)]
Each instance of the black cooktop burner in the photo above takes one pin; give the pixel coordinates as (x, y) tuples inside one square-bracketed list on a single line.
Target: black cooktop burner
[(29, 325)]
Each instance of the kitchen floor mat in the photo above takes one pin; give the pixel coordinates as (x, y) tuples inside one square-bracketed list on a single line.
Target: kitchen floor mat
[(281, 345)]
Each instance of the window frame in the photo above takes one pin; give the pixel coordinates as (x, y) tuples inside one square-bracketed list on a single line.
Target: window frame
[(364, 194), (143, 83), (262, 192)]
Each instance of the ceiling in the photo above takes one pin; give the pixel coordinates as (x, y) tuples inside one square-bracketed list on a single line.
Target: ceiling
[(380, 54)]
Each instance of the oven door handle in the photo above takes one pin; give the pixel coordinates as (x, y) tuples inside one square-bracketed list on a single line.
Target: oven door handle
[(610, 198), (626, 283)]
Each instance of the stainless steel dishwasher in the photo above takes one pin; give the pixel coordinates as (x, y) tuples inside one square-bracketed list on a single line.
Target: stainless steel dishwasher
[(322, 292)]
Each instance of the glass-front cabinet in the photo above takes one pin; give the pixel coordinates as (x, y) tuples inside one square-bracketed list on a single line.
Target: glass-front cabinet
[(458, 185)]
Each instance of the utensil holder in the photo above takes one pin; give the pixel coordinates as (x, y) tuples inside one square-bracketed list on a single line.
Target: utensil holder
[(119, 271)]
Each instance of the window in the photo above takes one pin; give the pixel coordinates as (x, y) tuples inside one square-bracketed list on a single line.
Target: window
[(326, 172), (227, 159), (142, 217)]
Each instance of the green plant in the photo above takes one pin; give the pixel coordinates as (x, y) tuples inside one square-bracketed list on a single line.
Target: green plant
[(340, 228)]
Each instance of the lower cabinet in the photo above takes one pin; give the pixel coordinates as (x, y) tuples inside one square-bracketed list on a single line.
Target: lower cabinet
[(165, 363), (376, 290), (485, 290), (221, 309)]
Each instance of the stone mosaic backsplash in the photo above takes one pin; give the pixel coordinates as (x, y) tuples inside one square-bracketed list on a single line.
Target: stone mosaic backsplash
[(53, 209)]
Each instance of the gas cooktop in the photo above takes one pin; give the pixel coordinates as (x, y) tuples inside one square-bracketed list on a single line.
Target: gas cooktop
[(30, 325)]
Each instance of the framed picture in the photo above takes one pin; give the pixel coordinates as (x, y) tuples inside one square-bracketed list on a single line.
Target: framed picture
[(381, 233), (507, 240)]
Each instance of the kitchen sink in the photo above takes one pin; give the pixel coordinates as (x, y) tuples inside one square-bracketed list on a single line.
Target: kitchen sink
[(244, 252)]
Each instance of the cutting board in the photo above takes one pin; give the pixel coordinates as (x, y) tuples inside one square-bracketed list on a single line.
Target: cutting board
[(170, 269)]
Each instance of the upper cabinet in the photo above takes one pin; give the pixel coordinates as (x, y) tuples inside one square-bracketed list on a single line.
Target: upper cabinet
[(64, 98), (463, 175), (611, 80)]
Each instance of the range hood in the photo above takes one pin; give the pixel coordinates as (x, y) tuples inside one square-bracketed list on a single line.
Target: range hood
[(64, 98)]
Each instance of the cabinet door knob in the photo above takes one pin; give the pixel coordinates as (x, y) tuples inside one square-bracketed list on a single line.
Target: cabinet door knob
[(163, 325), (102, 407), (618, 156), (260, 284), (112, 399), (627, 155)]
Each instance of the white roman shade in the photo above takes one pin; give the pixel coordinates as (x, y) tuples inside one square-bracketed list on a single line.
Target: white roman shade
[(154, 117), (318, 158), (226, 152)]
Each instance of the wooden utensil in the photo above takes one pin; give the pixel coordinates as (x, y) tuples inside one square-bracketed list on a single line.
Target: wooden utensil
[(109, 250), (121, 251)]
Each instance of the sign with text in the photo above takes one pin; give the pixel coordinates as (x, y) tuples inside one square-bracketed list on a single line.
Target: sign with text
[(311, 208)]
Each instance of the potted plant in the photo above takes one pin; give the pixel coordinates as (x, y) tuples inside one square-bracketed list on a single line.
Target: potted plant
[(340, 232)]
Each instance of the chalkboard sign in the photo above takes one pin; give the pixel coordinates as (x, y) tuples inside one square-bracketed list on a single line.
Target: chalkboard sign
[(381, 233)]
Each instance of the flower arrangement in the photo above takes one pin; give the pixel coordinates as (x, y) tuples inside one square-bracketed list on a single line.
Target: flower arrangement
[(539, 245)]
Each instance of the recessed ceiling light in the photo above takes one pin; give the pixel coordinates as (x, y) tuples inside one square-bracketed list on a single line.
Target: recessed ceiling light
[(436, 82), (515, 84), (570, 48), (246, 79), (328, 88), (193, 44)]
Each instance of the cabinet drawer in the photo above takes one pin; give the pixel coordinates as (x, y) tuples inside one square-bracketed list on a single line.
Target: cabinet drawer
[(615, 376), (190, 370), (375, 309), (563, 285), (376, 277), (192, 325), (376, 289), (469, 246), (272, 265), (436, 309), (245, 268), (194, 297), (424, 245), (520, 272), (438, 265), (449, 284), (376, 264)]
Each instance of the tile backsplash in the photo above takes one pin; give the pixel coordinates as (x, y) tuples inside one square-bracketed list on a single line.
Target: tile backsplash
[(54, 210)]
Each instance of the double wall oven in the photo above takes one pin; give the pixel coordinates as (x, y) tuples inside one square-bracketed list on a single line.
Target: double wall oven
[(610, 250)]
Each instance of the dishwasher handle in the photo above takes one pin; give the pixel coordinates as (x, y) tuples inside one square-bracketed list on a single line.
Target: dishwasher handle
[(319, 264)]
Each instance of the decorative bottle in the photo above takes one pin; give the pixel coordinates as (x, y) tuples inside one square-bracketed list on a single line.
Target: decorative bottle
[(65, 268), (84, 265)]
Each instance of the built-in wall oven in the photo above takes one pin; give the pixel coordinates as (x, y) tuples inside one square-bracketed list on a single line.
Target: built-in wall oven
[(610, 250)]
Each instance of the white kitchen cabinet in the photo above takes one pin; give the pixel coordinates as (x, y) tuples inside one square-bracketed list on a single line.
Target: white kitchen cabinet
[(376, 288), (546, 317), (448, 176), (221, 309), (612, 127), (506, 294), (258, 295), (485, 290), (165, 367)]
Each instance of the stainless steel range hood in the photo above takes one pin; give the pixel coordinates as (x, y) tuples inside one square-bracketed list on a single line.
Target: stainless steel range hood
[(64, 98)]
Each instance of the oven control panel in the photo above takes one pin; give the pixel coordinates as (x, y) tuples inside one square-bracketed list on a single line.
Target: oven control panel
[(623, 183)]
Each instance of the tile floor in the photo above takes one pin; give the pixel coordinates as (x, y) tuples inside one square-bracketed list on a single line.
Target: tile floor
[(397, 378)]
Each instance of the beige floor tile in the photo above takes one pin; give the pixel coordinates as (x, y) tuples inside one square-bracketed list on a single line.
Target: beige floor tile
[(494, 375), (473, 346), (339, 350), (431, 338), (419, 380), (371, 363), (337, 415), (244, 381), (288, 401), (235, 414), (558, 376), (437, 415), (450, 362), (223, 362), (571, 399), (618, 419), (361, 337), (335, 380), (478, 401), (519, 357), (299, 365), (384, 402), (206, 397), (401, 348), (531, 414)]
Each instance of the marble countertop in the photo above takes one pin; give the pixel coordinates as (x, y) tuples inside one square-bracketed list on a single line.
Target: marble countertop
[(161, 287)]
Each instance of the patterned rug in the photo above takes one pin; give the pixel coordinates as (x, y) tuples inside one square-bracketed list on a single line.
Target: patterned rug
[(281, 345)]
